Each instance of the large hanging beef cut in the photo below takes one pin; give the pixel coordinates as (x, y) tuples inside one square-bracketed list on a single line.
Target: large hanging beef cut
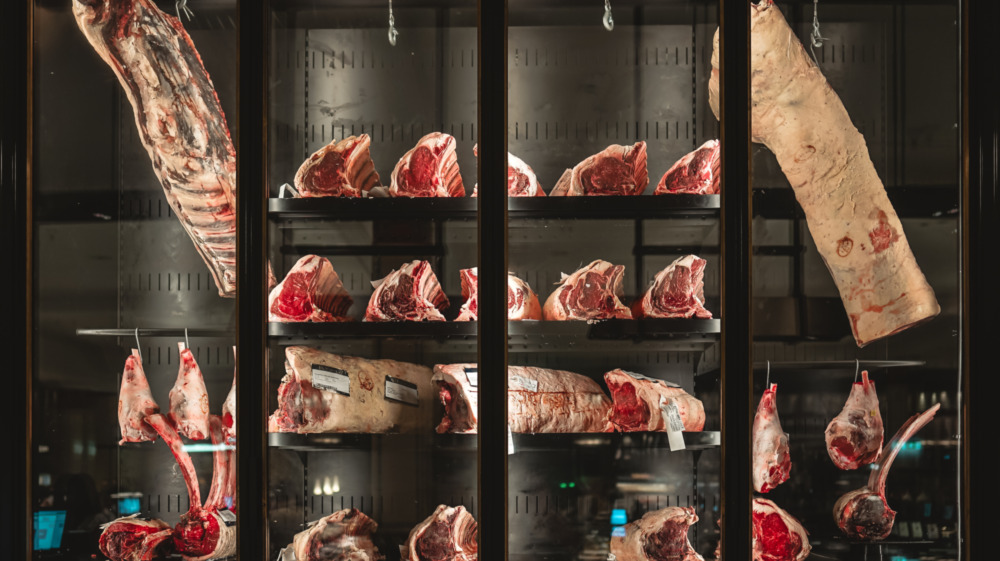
[(771, 460), (854, 437), (135, 402), (189, 397)]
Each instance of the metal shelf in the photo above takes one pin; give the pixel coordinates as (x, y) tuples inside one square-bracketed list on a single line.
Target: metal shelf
[(636, 329), (364, 330), (837, 364), (156, 332), (353, 208), (523, 442)]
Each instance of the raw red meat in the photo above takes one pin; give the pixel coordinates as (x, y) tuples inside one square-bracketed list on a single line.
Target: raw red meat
[(637, 400), (677, 292), (411, 293), (660, 535), (771, 461), (854, 438), (447, 535), (189, 398), (539, 400), (617, 170), (522, 302), (797, 114), (593, 292), (864, 514), (777, 535), (135, 402), (179, 118), (311, 291), (697, 173), (323, 392), (521, 179), (271, 280), (429, 169), (229, 411), (339, 169), (345, 535), (132, 539)]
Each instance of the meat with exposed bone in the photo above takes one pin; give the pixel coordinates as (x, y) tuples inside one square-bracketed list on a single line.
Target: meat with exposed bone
[(522, 302), (179, 118), (411, 293), (135, 402), (429, 169), (311, 291), (637, 402), (854, 437), (678, 291), (864, 514), (339, 169), (771, 460), (697, 173), (521, 179), (189, 397), (777, 535), (345, 535), (592, 292), (229, 410), (616, 170), (132, 539), (660, 535), (447, 535)]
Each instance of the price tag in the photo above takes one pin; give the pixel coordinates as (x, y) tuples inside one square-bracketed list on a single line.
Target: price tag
[(330, 378), (473, 375), (510, 441), (526, 383), (228, 516), (674, 424), (400, 391), (638, 376)]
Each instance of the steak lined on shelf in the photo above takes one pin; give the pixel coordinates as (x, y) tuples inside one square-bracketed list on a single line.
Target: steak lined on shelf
[(447, 535), (339, 169), (616, 170), (311, 291), (854, 437), (521, 179), (697, 173), (638, 401), (660, 535), (411, 293), (345, 535), (678, 291), (592, 292), (522, 302), (429, 169)]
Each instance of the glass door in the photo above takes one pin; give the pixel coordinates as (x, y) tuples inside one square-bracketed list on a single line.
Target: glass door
[(614, 287), (371, 174)]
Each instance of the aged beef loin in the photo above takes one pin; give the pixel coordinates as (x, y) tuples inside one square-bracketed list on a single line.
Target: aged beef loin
[(677, 292), (697, 173), (189, 397), (339, 169), (660, 535), (854, 438), (179, 118), (771, 461), (593, 292), (345, 535), (617, 170), (864, 514), (429, 169), (637, 402), (521, 179), (411, 293), (777, 535), (323, 392), (135, 402), (522, 302), (132, 539), (799, 117), (311, 291), (447, 535), (539, 400)]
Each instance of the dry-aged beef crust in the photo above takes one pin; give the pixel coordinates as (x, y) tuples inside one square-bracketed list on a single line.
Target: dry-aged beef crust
[(447, 535), (636, 403), (660, 535), (311, 291), (345, 535), (592, 292), (179, 118)]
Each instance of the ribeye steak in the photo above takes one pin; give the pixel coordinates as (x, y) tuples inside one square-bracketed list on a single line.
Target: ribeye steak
[(411, 293), (677, 292), (311, 291), (616, 170), (429, 169), (698, 173), (592, 292), (339, 169), (135, 402), (660, 535)]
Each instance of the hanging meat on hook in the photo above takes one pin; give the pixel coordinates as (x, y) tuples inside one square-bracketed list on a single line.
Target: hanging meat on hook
[(189, 398), (854, 437), (135, 402), (771, 460), (429, 169)]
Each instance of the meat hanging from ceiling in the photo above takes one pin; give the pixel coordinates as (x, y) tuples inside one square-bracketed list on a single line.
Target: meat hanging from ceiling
[(592, 292), (449, 534), (310, 292), (135, 402), (179, 118), (697, 173), (189, 397), (429, 169), (638, 401), (854, 437), (799, 117), (340, 169), (660, 535), (410, 293), (678, 291), (771, 460), (616, 170)]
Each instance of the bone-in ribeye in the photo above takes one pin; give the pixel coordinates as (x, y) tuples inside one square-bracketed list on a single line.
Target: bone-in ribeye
[(345, 535), (410, 293), (771, 460), (522, 302), (777, 535), (592, 292), (678, 291), (135, 402), (616, 170), (637, 403), (854, 437), (521, 179), (189, 398), (447, 535), (311, 397), (339, 169), (429, 169), (697, 173), (660, 535), (132, 539), (800, 118), (311, 291), (179, 118)]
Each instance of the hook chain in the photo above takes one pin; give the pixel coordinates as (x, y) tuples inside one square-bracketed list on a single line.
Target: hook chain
[(816, 38), (608, 20), (393, 32)]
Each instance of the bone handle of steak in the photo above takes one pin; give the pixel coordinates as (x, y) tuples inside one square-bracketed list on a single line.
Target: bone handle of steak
[(220, 465), (179, 118), (800, 118), (162, 426), (876, 481)]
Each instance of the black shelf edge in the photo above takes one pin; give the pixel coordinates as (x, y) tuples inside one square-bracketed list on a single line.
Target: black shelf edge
[(860, 364), (524, 442), (643, 206), (155, 332), (362, 330), (352, 441), (666, 328), (352, 208)]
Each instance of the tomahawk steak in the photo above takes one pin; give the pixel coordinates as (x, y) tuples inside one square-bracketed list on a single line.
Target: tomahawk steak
[(854, 438), (429, 169), (677, 292), (638, 403), (345, 535), (339, 169), (660, 535), (616, 170), (135, 402), (771, 461), (777, 535), (592, 292), (697, 173), (311, 291), (411, 293), (447, 535), (189, 397)]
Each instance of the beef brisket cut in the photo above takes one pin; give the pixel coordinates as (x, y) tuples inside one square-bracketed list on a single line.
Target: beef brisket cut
[(447, 535), (323, 392), (522, 302), (777, 535), (771, 460), (189, 398), (677, 292), (539, 400), (616, 170), (698, 173), (345, 535), (311, 291), (660, 535), (854, 437), (637, 402), (135, 402), (339, 169), (411, 293), (592, 292), (429, 169)]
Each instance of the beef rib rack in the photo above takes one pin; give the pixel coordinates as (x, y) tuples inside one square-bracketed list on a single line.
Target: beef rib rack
[(339, 169), (854, 437), (189, 398), (771, 460), (777, 535), (698, 173), (429, 169), (521, 179), (660, 535), (135, 402), (864, 514), (411, 293), (345, 535), (311, 291), (592, 292), (522, 302), (678, 291), (637, 402), (616, 170), (447, 535)]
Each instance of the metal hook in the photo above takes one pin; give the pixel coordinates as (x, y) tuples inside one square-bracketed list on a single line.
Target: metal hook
[(767, 384), (182, 8), (815, 38), (138, 347), (857, 368), (186, 342), (393, 33), (608, 20)]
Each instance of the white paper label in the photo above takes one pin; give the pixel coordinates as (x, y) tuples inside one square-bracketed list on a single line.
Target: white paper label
[(228, 516), (330, 378), (473, 375), (401, 391), (510, 441), (638, 376), (526, 383), (674, 424)]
